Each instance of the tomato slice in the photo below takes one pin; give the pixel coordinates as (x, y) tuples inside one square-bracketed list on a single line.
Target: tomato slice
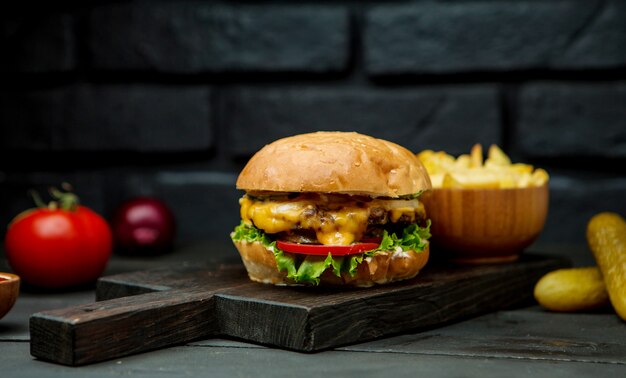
[(320, 249)]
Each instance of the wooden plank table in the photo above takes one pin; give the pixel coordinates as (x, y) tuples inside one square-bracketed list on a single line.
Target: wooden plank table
[(525, 341)]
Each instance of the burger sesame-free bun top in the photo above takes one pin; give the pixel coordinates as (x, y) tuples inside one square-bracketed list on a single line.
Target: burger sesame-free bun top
[(335, 162)]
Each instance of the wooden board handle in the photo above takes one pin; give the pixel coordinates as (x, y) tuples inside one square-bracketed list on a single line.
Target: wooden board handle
[(105, 330)]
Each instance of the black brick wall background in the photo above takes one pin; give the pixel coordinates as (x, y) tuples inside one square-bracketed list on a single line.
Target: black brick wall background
[(170, 98)]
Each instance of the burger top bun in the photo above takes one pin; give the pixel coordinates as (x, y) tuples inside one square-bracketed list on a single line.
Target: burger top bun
[(335, 162)]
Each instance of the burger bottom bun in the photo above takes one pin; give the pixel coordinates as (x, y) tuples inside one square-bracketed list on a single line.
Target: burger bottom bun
[(383, 267)]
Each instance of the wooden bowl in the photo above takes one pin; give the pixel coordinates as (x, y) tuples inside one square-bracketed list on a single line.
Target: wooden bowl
[(481, 226), (9, 290)]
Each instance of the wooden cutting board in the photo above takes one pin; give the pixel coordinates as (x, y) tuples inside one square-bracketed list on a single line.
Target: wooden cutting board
[(147, 310)]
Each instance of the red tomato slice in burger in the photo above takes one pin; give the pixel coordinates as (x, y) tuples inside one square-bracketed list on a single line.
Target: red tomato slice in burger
[(320, 249)]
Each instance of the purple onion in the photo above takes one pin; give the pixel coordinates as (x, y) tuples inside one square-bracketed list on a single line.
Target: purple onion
[(143, 226)]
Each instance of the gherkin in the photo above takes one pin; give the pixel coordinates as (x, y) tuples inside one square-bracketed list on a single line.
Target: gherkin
[(606, 235)]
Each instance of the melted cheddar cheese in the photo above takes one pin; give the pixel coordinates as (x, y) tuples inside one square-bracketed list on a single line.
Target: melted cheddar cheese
[(334, 222)]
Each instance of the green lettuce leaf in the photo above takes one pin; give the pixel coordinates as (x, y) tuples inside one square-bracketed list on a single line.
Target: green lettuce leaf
[(312, 267), (337, 264), (412, 195), (414, 238), (308, 270), (353, 263), (249, 233), (285, 262)]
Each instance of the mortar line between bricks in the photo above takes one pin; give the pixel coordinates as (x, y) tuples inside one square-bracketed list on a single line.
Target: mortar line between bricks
[(506, 103), (588, 22)]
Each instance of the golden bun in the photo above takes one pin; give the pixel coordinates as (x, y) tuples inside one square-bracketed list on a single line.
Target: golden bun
[(335, 162), (384, 267)]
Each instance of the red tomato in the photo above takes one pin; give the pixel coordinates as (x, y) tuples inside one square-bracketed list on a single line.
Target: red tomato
[(320, 249), (55, 248)]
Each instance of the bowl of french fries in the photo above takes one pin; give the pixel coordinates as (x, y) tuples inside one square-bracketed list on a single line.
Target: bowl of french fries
[(484, 210)]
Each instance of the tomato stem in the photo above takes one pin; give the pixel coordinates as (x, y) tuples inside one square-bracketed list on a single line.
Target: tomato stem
[(63, 200), (37, 199), (66, 201)]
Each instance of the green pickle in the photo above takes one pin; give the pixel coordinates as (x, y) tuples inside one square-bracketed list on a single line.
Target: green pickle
[(573, 289), (606, 235)]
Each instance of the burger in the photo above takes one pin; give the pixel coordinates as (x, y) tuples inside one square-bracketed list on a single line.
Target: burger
[(332, 208)]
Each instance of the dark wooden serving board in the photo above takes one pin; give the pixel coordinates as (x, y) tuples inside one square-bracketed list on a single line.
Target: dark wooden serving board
[(147, 310)]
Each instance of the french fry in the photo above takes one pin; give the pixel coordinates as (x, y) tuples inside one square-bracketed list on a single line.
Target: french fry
[(471, 171), (540, 177), (474, 180), (463, 161), (449, 182), (436, 179), (476, 156), (496, 156), (522, 168), (469, 181)]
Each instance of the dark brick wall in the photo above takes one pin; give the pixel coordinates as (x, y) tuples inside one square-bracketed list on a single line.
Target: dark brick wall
[(129, 117), (169, 98), (204, 37), (494, 36)]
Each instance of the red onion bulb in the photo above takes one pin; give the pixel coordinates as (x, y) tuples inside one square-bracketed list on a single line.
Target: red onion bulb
[(143, 226)]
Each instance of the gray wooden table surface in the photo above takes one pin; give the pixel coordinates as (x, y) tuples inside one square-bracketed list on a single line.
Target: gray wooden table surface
[(524, 342)]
